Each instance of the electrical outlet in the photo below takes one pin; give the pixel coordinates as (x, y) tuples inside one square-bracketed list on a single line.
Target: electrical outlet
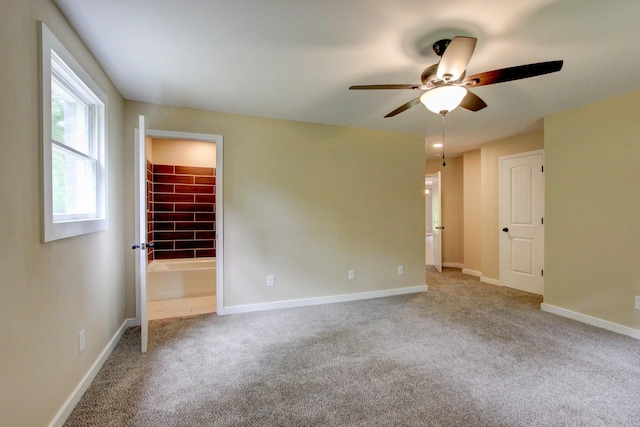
[(352, 274), (271, 280), (81, 341), (637, 302), (400, 270)]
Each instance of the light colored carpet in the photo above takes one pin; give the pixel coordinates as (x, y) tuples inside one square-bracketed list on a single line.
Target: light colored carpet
[(462, 354)]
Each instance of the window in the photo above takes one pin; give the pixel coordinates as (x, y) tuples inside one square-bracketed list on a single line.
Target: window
[(73, 145)]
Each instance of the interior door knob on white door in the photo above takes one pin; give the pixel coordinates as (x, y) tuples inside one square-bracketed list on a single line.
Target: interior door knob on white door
[(506, 230), (142, 246)]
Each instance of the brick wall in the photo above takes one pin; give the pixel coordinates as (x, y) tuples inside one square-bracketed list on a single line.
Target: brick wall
[(182, 212), (149, 209)]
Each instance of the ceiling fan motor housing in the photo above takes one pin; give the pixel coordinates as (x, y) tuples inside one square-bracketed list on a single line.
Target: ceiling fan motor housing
[(440, 46), (429, 74)]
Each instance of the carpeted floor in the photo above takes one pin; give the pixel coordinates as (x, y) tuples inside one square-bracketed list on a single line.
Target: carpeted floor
[(462, 354)]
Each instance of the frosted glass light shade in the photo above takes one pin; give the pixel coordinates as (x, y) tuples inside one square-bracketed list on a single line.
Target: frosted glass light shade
[(443, 98)]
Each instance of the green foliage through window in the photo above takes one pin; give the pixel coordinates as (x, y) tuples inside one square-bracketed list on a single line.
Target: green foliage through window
[(57, 117), (57, 183)]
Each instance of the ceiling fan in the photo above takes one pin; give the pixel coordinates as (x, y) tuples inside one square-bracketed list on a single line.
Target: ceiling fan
[(445, 85)]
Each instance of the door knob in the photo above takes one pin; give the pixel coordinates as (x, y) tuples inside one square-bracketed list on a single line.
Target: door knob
[(141, 246), (506, 230)]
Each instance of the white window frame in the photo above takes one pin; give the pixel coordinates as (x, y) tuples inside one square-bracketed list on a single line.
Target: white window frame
[(56, 226)]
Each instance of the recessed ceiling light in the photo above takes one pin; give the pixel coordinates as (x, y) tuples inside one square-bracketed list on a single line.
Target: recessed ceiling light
[(437, 145)]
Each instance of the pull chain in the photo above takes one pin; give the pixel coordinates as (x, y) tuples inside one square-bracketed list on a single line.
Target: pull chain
[(444, 163)]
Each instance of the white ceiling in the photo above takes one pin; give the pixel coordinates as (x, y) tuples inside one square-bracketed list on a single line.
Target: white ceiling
[(295, 59)]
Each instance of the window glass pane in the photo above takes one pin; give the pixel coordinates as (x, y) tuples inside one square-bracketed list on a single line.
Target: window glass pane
[(69, 119), (73, 185)]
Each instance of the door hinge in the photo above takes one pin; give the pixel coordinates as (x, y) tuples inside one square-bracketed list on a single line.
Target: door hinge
[(542, 272), (542, 168), (542, 221)]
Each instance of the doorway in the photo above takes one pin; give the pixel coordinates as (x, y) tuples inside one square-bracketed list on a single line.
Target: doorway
[(181, 224), (141, 136), (433, 225), (428, 221)]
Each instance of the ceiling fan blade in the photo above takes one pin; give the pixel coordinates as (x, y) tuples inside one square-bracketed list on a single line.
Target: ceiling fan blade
[(404, 107), (472, 102), (513, 73), (455, 58), (399, 86)]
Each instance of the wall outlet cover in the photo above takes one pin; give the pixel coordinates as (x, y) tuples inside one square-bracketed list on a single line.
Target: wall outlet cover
[(81, 341), (637, 302)]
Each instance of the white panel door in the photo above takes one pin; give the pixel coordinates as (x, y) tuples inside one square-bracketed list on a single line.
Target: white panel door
[(521, 222), (140, 246), (436, 190)]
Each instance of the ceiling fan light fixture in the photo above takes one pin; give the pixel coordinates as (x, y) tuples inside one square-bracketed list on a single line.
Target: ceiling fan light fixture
[(443, 99)]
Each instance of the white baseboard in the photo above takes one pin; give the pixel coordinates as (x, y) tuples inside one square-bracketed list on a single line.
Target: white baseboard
[(490, 281), (594, 321), (472, 272), (236, 309), (84, 384), (453, 265)]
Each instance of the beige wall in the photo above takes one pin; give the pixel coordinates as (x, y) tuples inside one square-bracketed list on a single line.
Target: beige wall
[(306, 203), (592, 231), (452, 208), (489, 154), (472, 200), (182, 153), (49, 292)]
